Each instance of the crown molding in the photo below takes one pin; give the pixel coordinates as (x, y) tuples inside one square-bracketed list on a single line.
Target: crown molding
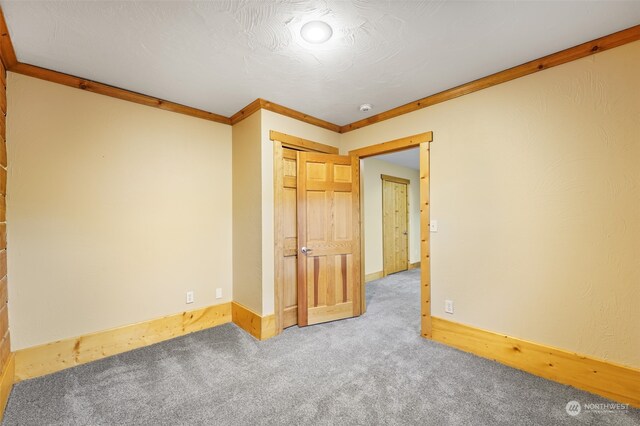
[(8, 56), (259, 104), (568, 55)]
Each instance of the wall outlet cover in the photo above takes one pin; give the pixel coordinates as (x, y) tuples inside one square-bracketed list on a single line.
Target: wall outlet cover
[(448, 306)]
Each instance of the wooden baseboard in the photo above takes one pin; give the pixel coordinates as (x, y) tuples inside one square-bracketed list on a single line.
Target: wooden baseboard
[(260, 327), (373, 276), (616, 382), (414, 265), (49, 358), (6, 383)]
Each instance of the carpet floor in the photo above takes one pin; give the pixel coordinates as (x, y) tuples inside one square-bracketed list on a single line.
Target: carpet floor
[(375, 369)]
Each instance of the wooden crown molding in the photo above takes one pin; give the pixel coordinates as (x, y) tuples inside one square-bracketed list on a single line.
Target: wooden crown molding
[(601, 44), (573, 53), (114, 92), (259, 104), (7, 54)]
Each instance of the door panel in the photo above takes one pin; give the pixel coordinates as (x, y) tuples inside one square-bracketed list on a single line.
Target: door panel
[(328, 228), (290, 233), (395, 225)]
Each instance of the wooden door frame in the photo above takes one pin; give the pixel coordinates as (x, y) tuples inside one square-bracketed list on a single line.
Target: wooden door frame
[(421, 140), (282, 140), (401, 181)]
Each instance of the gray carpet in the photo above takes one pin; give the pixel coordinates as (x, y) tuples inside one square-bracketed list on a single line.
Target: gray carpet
[(375, 369)]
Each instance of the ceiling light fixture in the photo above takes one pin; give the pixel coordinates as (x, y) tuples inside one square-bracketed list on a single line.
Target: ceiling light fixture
[(366, 107), (316, 32)]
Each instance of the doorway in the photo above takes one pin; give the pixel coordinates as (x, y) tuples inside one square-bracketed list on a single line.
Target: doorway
[(282, 141)]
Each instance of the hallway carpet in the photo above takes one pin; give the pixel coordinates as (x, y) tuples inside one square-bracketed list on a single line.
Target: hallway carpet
[(371, 370)]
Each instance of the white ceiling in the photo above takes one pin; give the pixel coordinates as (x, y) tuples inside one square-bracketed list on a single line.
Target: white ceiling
[(221, 55), (408, 158)]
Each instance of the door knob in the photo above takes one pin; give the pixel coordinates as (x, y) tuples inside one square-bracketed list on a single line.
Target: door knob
[(405, 232), (305, 250)]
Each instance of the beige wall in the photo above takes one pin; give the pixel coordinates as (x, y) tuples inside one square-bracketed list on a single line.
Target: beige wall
[(282, 124), (247, 214), (115, 211), (536, 187), (371, 170)]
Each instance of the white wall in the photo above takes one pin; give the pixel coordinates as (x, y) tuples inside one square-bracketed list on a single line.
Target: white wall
[(115, 211), (371, 170), (536, 187)]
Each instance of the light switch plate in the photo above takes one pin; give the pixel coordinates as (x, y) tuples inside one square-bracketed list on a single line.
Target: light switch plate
[(433, 226)]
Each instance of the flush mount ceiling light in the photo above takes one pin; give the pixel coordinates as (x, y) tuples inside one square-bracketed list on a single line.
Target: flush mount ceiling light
[(316, 32), (366, 107)]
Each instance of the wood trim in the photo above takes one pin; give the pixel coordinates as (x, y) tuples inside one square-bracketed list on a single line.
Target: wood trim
[(260, 103), (395, 179), (414, 265), (425, 257), (295, 142), (373, 276), (49, 358), (114, 92), (246, 112), (288, 112), (422, 140), (278, 250), (568, 55), (393, 146), (616, 382), (262, 328), (7, 54), (6, 383), (358, 264)]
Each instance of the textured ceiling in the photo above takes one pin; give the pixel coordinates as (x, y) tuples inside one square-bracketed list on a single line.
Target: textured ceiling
[(221, 55)]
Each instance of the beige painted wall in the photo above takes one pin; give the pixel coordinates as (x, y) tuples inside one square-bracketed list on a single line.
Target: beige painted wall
[(536, 187), (247, 214), (371, 170), (282, 124), (115, 211)]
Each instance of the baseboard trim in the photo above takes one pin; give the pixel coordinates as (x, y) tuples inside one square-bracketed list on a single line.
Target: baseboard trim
[(6, 383), (51, 357), (414, 265), (262, 328), (613, 381), (373, 276)]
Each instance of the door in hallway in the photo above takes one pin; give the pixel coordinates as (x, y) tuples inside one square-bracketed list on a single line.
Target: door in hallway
[(395, 221), (328, 204)]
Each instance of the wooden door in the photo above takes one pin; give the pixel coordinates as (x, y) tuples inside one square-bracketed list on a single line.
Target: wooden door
[(395, 239), (328, 195), (289, 233)]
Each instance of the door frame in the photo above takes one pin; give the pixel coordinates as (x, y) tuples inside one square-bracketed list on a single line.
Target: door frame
[(282, 140), (407, 183), (421, 140)]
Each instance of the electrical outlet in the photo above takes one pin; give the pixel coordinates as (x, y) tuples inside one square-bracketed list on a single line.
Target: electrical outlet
[(190, 296), (448, 306), (433, 226), (218, 293)]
